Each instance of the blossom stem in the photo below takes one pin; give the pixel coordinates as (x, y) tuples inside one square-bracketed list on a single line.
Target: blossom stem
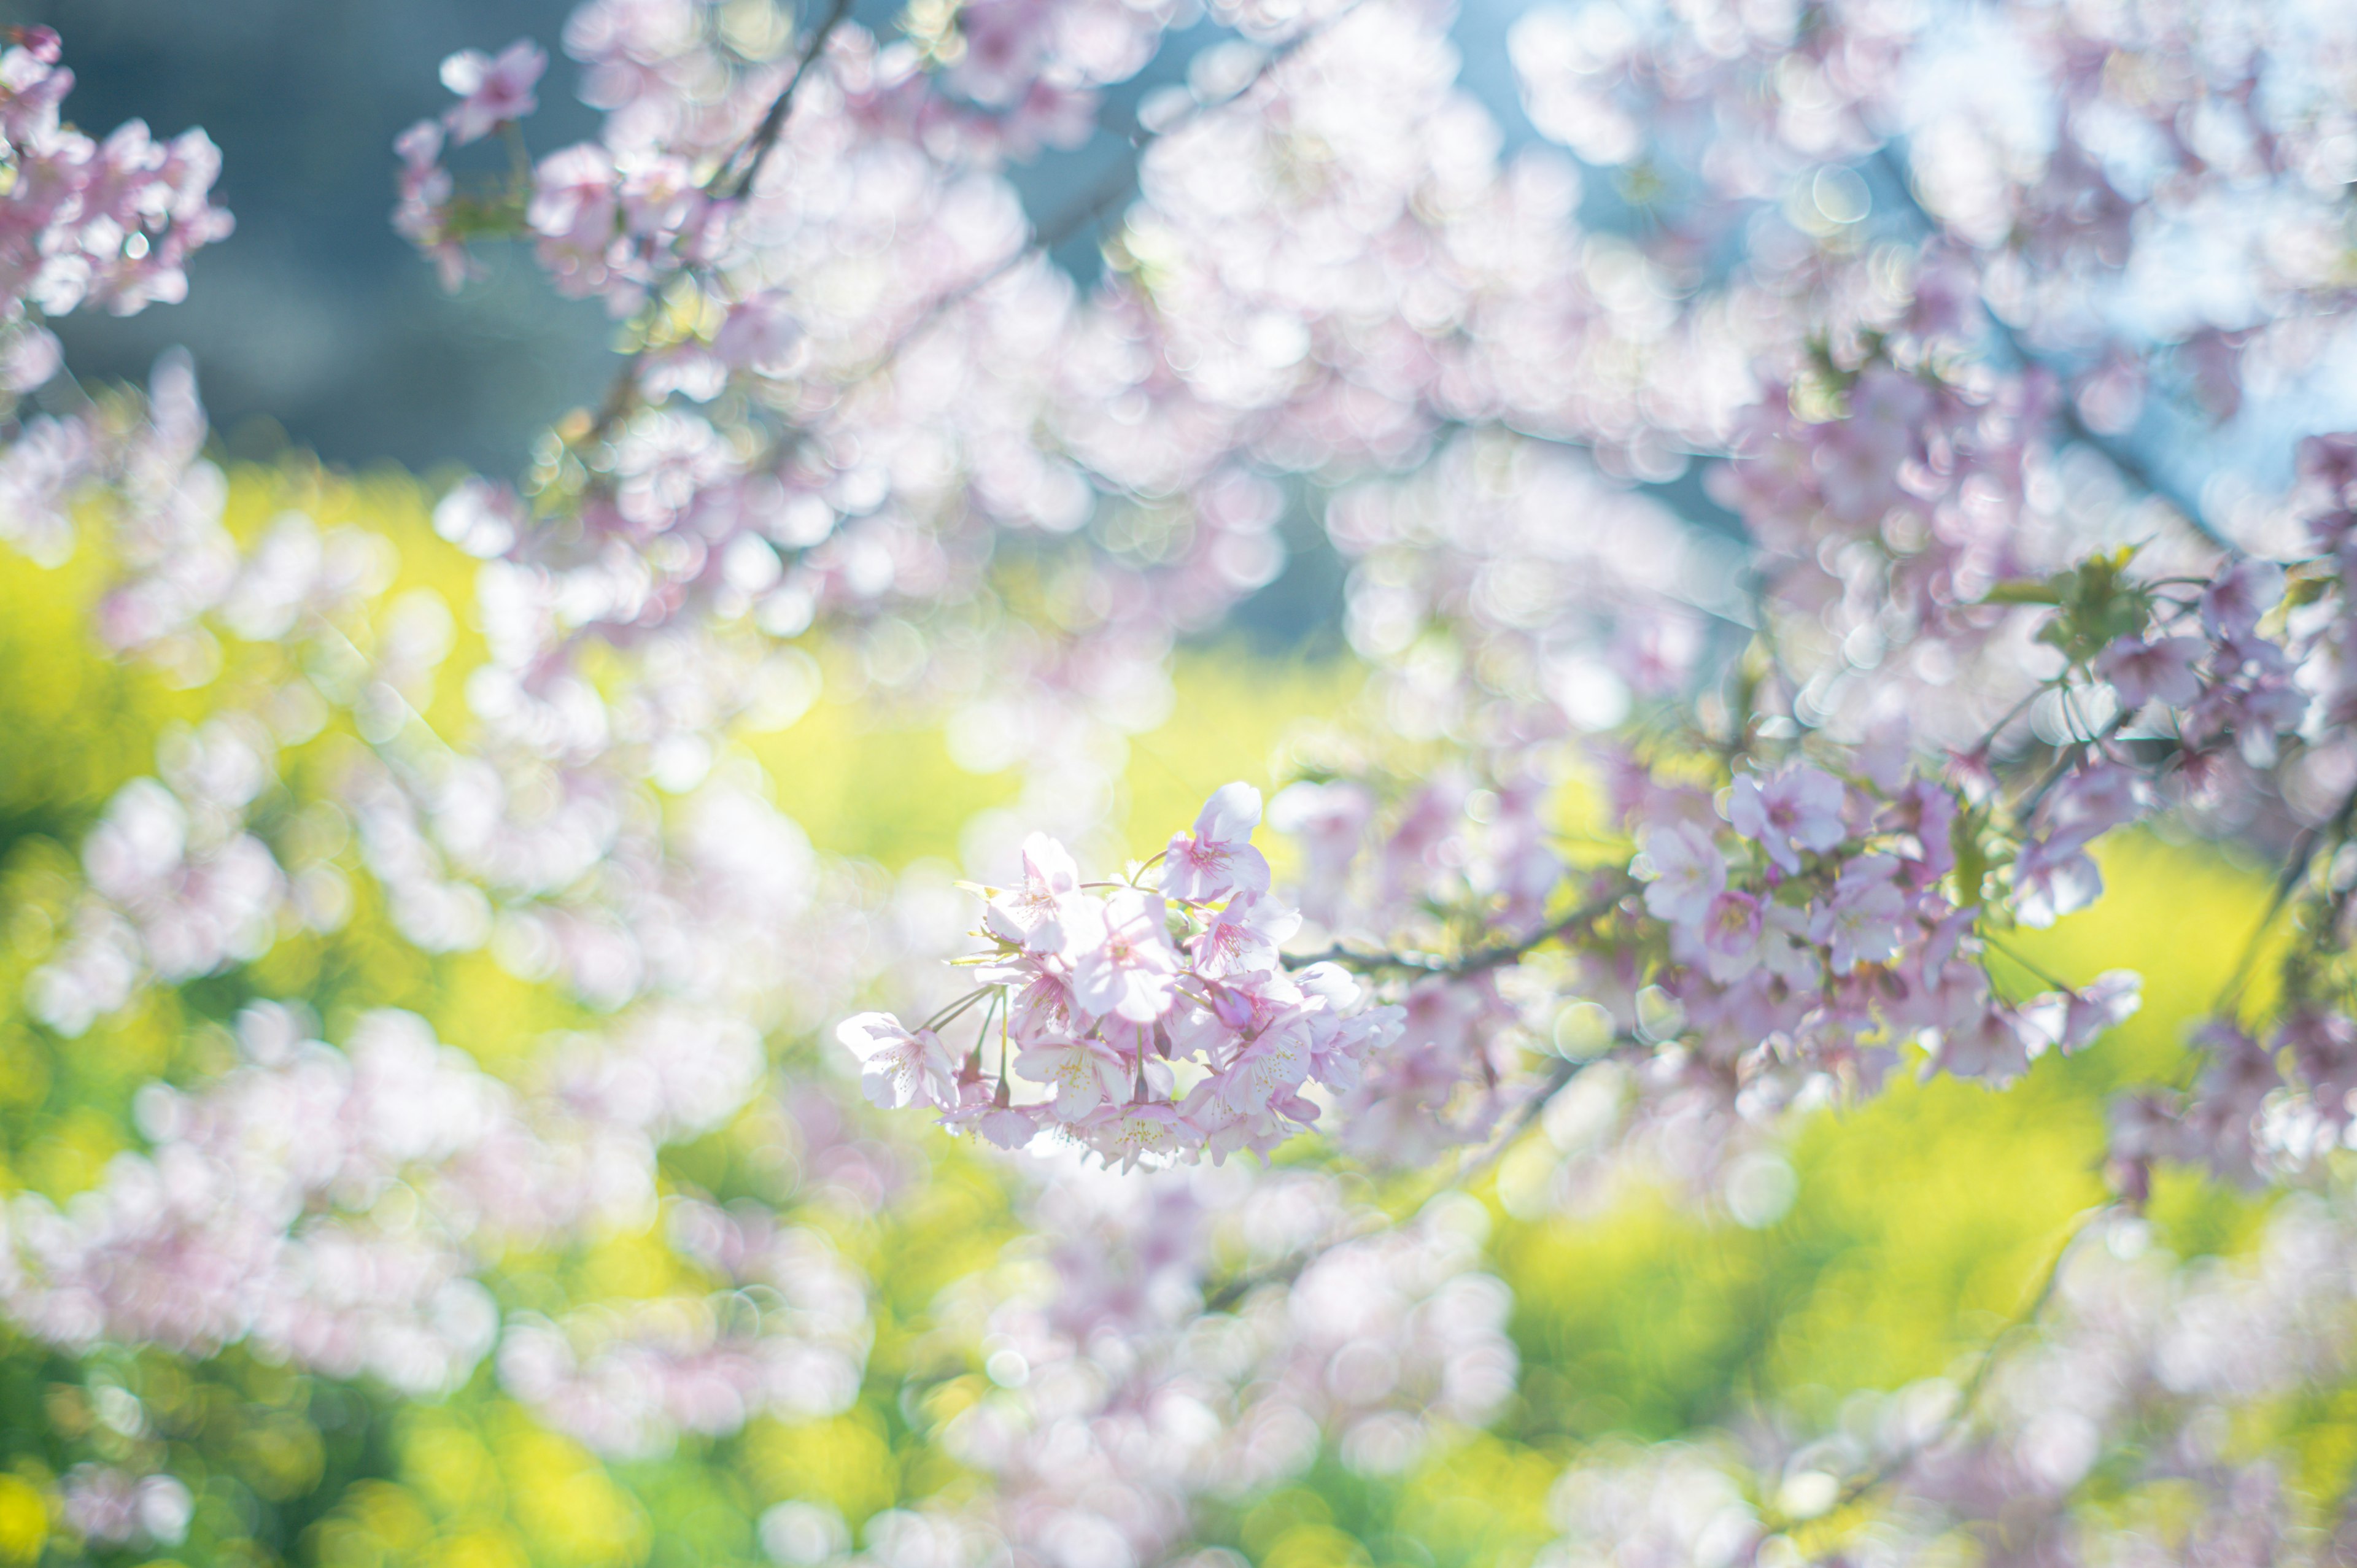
[(2334, 830), (1983, 1367), (519, 155), (2011, 714), (949, 1015), (2070, 757), (987, 1013), (2035, 968)]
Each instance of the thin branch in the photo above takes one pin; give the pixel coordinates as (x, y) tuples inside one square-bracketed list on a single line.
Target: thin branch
[(2130, 465), (756, 149), (1969, 1397), (1076, 218), (1238, 1286), (1235, 1288), (1472, 963), (2065, 763), (2303, 854), (623, 394), (729, 182), (1558, 1079), (2037, 970), (2011, 714)]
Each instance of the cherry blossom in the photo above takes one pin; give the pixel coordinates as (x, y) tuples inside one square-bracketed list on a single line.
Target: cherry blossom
[(898, 1067), (1687, 873), (2161, 671), (492, 90), (1794, 812), (1218, 857)]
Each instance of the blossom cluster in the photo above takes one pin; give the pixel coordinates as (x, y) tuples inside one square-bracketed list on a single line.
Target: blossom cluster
[(1896, 484), (84, 222), (1832, 933), (1161, 1026), (1909, 672)]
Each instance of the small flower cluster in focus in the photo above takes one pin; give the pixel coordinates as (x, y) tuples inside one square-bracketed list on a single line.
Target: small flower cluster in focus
[(1158, 1025)]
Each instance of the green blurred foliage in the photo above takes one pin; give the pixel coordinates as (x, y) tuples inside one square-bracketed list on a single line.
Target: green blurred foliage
[(1920, 1224)]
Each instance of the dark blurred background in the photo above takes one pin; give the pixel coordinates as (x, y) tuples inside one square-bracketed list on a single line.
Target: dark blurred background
[(315, 315), (315, 322)]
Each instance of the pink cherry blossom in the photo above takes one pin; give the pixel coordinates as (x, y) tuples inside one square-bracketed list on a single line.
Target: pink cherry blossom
[(1328, 819), (1731, 936), (2096, 800), (1864, 920), (1244, 935), (1122, 962), (1032, 915), (897, 1066), (574, 211), (1687, 873), (1084, 1074), (492, 90), (2159, 671), (1218, 857), (2073, 1020), (2233, 604), (2054, 877), (1797, 810), (1886, 330), (1142, 1131)]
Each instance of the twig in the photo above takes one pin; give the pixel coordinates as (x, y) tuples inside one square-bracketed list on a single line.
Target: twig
[(2064, 765), (756, 148), (1077, 218), (729, 182), (2038, 970), (1558, 1079), (2011, 714), (1237, 1287), (2296, 866), (1969, 1396), (2122, 458), (1473, 963)]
